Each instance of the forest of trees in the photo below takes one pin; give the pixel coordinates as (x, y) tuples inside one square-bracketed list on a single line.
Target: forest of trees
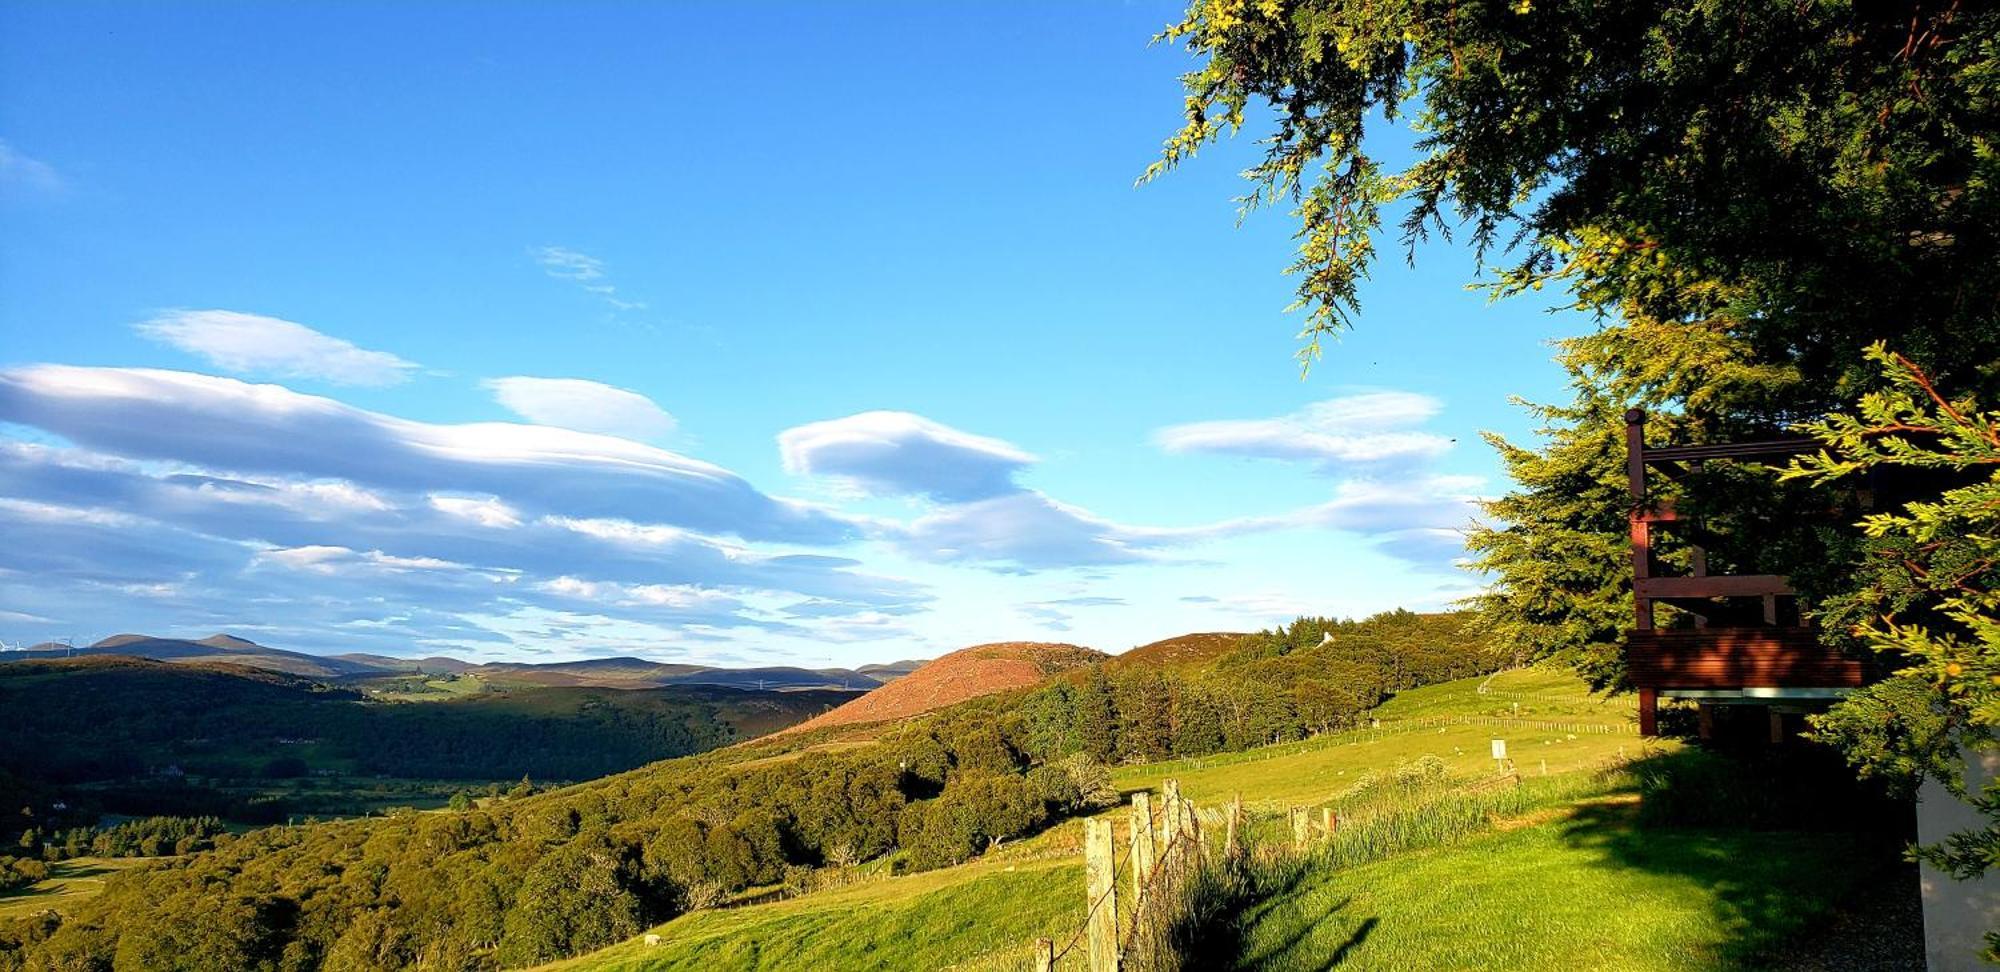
[(172, 729), (145, 837), (516, 881)]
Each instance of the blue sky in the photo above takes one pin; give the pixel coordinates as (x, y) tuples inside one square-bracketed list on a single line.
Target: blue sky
[(736, 334)]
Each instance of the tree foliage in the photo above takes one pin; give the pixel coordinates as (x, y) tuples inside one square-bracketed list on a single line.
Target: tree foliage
[(1747, 193), (1781, 164), (1925, 593)]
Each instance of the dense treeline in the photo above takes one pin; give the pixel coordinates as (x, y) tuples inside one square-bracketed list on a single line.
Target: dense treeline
[(148, 837), (102, 719), (1312, 676), (516, 881)]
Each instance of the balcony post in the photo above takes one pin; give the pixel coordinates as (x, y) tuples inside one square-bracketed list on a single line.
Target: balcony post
[(1642, 535)]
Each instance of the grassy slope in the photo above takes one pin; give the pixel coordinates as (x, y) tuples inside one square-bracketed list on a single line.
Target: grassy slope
[(69, 881), (1585, 891), (987, 913)]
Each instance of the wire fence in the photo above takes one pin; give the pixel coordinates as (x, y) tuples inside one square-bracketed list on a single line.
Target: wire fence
[(1182, 829), (1397, 726)]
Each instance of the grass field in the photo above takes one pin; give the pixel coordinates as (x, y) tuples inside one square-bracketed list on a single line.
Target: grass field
[(68, 882), (986, 914), (1588, 890), (422, 688)]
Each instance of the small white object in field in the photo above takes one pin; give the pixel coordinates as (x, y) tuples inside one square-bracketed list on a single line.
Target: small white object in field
[(652, 940), (1499, 749), (1325, 638)]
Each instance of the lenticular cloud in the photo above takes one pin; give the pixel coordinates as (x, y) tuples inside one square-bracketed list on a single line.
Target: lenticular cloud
[(226, 424)]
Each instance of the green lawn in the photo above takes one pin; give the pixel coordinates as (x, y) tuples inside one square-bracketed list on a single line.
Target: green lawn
[(1588, 891), (68, 882)]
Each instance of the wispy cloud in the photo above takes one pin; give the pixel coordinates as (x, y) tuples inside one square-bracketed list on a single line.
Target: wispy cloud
[(21, 173), (902, 454), (586, 406), (253, 344), (587, 272), (1367, 427), (226, 424)]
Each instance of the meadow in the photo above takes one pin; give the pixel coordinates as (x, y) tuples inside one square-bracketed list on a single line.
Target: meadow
[(1482, 879), (68, 882)]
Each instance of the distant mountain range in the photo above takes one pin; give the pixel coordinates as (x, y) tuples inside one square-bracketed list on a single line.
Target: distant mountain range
[(617, 672)]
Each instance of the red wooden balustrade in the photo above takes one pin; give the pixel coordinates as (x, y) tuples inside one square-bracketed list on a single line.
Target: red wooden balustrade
[(1775, 653)]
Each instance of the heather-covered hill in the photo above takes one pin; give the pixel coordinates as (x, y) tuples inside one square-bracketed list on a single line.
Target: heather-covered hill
[(1180, 651), (964, 674)]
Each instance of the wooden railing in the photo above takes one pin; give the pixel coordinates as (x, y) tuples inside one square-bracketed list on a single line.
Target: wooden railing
[(1758, 644)]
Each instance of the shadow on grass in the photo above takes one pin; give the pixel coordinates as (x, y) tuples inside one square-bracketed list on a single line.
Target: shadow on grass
[(61, 871), (1779, 840), (1207, 922)]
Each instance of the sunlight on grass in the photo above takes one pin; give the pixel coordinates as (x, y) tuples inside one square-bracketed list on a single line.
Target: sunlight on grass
[(987, 913), (69, 882), (1587, 892)]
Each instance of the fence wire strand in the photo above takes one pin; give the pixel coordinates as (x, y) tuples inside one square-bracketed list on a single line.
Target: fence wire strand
[(1188, 837)]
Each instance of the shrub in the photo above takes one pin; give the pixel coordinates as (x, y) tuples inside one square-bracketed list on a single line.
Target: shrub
[(1425, 770), (1092, 779)]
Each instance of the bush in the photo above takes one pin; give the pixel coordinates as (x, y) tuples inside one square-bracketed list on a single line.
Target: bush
[(1092, 779), (19, 872), (578, 897), (1425, 770)]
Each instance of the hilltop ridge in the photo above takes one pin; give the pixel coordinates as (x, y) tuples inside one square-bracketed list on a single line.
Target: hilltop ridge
[(967, 673), (618, 671)]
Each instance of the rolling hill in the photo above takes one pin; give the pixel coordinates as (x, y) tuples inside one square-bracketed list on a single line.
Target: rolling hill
[(620, 672), (214, 648), (1181, 651), (640, 673), (114, 723), (964, 674), (891, 671)]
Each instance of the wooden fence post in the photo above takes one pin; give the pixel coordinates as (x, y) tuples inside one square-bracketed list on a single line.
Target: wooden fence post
[(1101, 895), (1142, 847), (1326, 821), (1229, 832), (1045, 955), (1300, 826)]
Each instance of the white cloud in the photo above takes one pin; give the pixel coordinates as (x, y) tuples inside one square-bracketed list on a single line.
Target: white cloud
[(27, 174), (166, 544), (680, 597), (330, 559), (584, 270), (1026, 530), (586, 406), (1368, 427), (1419, 518), (255, 344), (569, 264), (225, 424), (899, 453), (487, 512)]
